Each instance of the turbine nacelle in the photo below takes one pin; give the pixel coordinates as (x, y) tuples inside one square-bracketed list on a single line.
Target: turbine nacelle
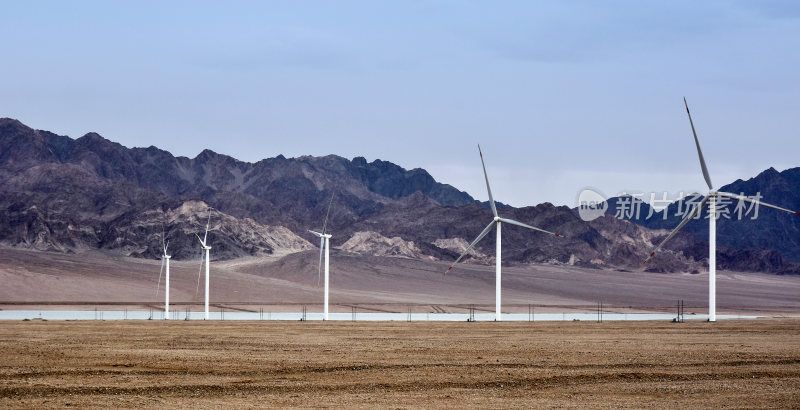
[(202, 242), (496, 220), (711, 192), (324, 250), (321, 235), (712, 195), (206, 248), (712, 223)]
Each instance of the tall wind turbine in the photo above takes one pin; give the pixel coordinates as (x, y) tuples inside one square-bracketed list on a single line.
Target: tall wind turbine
[(164, 262), (498, 221), (324, 244), (206, 248), (710, 199)]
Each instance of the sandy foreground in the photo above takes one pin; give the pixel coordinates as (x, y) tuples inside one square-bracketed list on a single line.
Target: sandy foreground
[(753, 363)]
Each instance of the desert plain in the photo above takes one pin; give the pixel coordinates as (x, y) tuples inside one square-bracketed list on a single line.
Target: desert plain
[(224, 364), (241, 364), (286, 283)]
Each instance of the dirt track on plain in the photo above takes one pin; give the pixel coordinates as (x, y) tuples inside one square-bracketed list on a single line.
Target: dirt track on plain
[(400, 364)]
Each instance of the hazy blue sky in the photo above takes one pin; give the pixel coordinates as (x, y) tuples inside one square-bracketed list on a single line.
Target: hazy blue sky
[(560, 94)]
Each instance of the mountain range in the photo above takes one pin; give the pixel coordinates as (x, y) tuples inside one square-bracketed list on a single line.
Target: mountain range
[(69, 195), (741, 226)]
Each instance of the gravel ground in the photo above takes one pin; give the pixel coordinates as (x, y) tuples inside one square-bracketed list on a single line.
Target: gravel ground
[(732, 364)]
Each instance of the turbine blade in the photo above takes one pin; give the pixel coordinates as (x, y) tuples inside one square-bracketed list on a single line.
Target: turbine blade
[(319, 267), (205, 237), (744, 198), (158, 284), (699, 151), (202, 242), (166, 247), (316, 233), (485, 231), (488, 189), (513, 222), (678, 228), (325, 225)]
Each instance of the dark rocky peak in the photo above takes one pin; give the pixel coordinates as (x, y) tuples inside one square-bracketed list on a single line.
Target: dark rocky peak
[(771, 171), (93, 136), (14, 132), (206, 155), (311, 162), (92, 139), (329, 162), (11, 124), (20, 145), (211, 172), (360, 162), (792, 174), (94, 142), (777, 188), (767, 177), (109, 159), (60, 145), (269, 162), (209, 157), (151, 154), (152, 151), (393, 181)]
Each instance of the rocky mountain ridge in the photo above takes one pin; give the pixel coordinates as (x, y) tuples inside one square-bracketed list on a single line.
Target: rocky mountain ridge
[(65, 195)]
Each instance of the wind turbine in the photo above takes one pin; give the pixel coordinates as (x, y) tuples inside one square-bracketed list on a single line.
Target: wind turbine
[(324, 244), (498, 221), (164, 262), (710, 199), (206, 248)]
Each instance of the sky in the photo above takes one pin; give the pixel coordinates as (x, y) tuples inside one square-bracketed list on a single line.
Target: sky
[(561, 95)]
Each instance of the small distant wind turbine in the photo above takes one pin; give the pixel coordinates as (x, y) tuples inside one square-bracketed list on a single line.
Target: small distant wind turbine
[(498, 221), (324, 245), (164, 262), (206, 248), (710, 199)]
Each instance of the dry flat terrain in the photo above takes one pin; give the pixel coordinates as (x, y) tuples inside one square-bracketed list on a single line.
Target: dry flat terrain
[(239, 364), (41, 280)]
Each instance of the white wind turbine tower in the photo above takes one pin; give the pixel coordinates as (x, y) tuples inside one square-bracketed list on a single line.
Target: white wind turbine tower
[(324, 244), (496, 221), (712, 224), (164, 262), (206, 248)]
